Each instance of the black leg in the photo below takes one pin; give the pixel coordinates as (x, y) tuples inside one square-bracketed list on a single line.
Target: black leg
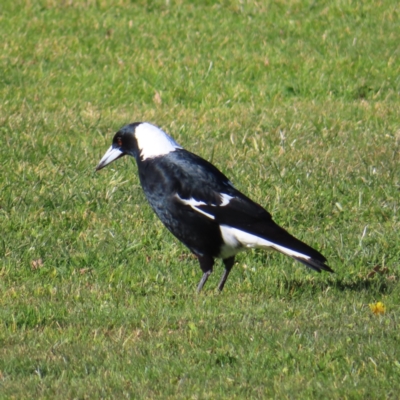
[(206, 265), (228, 266)]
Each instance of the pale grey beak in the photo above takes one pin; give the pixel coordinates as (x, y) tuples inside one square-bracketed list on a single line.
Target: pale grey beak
[(111, 155)]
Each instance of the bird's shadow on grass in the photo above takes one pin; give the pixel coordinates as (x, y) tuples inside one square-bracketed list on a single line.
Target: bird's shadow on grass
[(379, 285)]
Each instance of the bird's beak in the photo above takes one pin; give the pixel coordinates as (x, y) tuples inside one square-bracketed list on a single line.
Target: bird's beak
[(111, 155)]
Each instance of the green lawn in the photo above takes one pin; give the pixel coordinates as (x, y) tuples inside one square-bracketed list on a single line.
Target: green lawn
[(297, 102)]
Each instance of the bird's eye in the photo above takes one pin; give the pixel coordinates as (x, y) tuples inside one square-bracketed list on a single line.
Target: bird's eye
[(119, 142)]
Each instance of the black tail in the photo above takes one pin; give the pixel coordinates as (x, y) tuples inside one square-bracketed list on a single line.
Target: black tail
[(277, 235), (316, 265)]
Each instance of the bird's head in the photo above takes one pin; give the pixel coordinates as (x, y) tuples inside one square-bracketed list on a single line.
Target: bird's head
[(140, 140)]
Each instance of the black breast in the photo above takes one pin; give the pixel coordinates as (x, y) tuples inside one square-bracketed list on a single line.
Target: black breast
[(183, 174)]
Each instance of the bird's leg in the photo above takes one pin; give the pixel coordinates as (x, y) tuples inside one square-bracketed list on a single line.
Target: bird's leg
[(206, 265), (228, 266)]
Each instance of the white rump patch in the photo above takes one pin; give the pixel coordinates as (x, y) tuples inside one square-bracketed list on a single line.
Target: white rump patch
[(231, 245), (153, 141), (194, 203), (236, 240)]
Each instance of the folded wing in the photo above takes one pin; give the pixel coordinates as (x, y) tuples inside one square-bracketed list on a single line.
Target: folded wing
[(243, 220)]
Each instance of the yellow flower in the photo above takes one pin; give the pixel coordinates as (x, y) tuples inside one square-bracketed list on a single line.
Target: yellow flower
[(377, 308)]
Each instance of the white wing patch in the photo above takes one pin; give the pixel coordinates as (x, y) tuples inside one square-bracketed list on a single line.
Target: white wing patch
[(225, 198), (236, 240), (194, 204), (153, 141)]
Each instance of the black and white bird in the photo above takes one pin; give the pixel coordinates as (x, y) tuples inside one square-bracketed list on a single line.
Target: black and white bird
[(199, 205)]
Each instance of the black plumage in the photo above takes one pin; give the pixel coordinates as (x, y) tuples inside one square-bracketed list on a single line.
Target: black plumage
[(199, 205)]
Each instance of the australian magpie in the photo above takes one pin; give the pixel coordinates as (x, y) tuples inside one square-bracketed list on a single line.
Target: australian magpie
[(199, 205)]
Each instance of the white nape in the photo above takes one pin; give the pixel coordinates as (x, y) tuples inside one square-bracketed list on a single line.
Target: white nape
[(153, 141), (236, 240)]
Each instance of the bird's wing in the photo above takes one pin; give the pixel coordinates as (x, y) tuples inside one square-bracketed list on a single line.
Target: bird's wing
[(204, 189), (202, 186), (233, 209), (252, 225)]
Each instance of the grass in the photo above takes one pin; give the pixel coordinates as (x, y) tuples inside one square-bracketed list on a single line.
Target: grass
[(297, 102)]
